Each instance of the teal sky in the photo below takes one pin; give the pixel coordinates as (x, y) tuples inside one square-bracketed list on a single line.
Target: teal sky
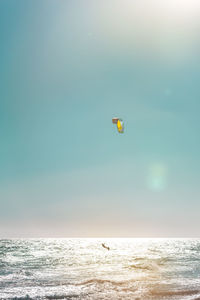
[(67, 68)]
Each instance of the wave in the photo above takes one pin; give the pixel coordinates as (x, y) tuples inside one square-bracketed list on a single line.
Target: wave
[(145, 266), (22, 298), (152, 264), (57, 297), (102, 281), (50, 297), (175, 293), (125, 285)]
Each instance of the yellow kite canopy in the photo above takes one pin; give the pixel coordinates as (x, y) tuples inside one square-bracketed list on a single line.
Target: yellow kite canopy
[(119, 123)]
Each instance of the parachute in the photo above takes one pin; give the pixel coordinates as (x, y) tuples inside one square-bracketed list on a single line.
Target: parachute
[(119, 123)]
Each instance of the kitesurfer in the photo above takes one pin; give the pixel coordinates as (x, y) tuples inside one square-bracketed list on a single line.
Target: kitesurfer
[(104, 246)]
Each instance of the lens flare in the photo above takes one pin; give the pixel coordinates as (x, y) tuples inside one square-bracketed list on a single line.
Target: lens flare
[(157, 177)]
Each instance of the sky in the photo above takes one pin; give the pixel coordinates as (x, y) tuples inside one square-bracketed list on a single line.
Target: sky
[(66, 69)]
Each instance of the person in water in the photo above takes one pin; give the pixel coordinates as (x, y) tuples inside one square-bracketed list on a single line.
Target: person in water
[(104, 246)]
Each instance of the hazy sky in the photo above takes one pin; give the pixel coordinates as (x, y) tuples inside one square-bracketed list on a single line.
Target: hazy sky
[(68, 67)]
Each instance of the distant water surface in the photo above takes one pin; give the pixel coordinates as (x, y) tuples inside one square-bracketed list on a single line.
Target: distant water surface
[(82, 269)]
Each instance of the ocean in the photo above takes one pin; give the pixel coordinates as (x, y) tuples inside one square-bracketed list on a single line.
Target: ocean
[(135, 269)]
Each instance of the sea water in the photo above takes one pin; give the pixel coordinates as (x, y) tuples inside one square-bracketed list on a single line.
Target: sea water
[(83, 269)]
